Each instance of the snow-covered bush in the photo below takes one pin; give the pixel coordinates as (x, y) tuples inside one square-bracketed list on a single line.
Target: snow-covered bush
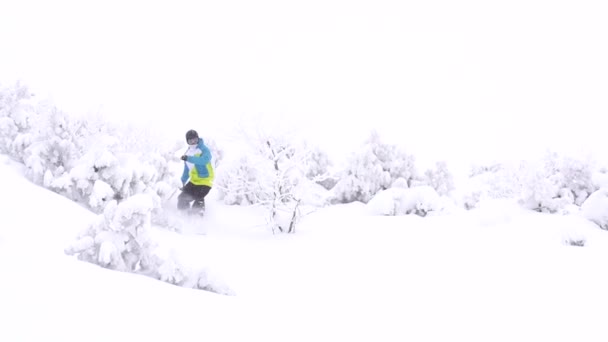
[(86, 159), (539, 190), (167, 167), (124, 170), (237, 182), (119, 238), (54, 150), (17, 116), (371, 169), (126, 174), (488, 182), (440, 178), (577, 177), (556, 183), (419, 200), (318, 167), (595, 208)]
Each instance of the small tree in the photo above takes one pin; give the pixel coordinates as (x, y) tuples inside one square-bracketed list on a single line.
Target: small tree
[(273, 173), (283, 179)]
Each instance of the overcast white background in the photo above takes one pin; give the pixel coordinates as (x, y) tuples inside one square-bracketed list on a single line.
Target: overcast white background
[(455, 80)]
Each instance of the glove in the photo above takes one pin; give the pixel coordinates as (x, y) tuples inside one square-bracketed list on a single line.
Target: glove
[(184, 158)]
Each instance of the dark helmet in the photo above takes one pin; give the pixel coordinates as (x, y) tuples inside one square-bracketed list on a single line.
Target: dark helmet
[(191, 134)]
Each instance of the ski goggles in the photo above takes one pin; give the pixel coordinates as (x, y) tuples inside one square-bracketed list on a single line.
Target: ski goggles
[(192, 141)]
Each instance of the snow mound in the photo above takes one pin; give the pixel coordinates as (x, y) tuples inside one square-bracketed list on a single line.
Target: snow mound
[(420, 200), (595, 208)]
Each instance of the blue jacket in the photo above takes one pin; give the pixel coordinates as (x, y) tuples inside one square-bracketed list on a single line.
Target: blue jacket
[(201, 172)]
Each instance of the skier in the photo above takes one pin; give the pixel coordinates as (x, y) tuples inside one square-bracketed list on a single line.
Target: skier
[(198, 175)]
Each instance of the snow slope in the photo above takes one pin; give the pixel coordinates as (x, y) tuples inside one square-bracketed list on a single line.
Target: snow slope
[(494, 274)]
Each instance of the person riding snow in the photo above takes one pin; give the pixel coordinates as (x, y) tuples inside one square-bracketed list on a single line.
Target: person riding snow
[(198, 175)]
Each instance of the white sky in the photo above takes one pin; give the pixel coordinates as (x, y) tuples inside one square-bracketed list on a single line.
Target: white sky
[(455, 80)]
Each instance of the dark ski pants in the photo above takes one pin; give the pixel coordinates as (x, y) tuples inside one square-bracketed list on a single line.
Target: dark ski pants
[(192, 193)]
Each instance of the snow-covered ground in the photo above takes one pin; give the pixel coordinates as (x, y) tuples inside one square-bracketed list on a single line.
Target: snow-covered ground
[(497, 273)]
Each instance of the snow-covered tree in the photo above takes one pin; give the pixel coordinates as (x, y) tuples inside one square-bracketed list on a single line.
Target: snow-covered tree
[(282, 177), (372, 168), (440, 178), (275, 170), (17, 116)]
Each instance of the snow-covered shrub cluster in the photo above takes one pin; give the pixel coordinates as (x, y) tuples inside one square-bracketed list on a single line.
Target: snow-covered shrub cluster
[(489, 182), (556, 183), (85, 159), (106, 171), (374, 167), (552, 184), (119, 239)]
